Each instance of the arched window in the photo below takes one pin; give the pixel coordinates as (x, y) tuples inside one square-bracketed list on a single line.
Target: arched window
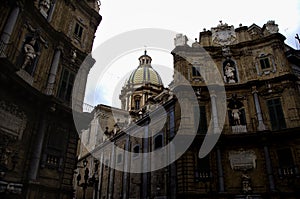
[(137, 102)]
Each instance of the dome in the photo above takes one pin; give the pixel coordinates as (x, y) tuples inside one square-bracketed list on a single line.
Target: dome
[(145, 74)]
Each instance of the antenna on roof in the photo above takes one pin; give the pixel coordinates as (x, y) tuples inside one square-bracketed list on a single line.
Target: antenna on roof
[(298, 39), (145, 49)]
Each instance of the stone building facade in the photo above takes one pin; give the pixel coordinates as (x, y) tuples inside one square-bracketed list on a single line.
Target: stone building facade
[(43, 45), (254, 126)]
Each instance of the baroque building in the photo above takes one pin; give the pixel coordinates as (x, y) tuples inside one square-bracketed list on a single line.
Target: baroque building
[(43, 49), (234, 103)]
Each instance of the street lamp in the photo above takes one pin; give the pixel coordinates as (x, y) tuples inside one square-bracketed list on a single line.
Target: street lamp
[(88, 182)]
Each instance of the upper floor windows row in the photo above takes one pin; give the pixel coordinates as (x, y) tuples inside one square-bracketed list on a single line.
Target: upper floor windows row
[(237, 120), (264, 65), (46, 8)]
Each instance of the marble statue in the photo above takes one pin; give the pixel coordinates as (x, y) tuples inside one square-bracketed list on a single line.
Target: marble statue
[(229, 73), (236, 116), (30, 53), (44, 7)]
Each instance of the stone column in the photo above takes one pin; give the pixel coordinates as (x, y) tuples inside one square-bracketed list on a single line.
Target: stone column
[(220, 171), (214, 113), (129, 102), (126, 168), (100, 176), (10, 24), (269, 169), (53, 72), (261, 125), (145, 163), (111, 173), (172, 167), (37, 149)]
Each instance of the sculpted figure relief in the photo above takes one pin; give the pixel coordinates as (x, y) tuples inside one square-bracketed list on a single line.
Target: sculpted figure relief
[(30, 53), (229, 72), (236, 116), (44, 7)]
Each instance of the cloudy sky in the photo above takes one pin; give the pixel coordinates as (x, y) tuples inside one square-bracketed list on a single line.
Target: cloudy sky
[(188, 17)]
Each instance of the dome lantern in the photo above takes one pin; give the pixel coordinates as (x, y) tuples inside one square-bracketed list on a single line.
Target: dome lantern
[(144, 82)]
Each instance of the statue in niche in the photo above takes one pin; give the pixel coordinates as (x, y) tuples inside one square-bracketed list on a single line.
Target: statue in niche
[(30, 52), (230, 75), (44, 7), (236, 112), (246, 184), (236, 115)]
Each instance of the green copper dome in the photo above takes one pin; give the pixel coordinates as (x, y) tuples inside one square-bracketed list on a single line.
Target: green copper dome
[(145, 74)]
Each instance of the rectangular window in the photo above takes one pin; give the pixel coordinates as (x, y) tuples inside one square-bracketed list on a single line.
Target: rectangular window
[(137, 104), (172, 124), (66, 85), (201, 117), (136, 151), (203, 169), (158, 142), (285, 157), (276, 114), (286, 163), (106, 164), (264, 63), (119, 159), (78, 30), (196, 71)]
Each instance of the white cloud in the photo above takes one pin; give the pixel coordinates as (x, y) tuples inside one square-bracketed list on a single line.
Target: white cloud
[(188, 17)]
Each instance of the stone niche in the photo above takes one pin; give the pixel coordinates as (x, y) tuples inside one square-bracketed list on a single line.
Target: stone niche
[(242, 160)]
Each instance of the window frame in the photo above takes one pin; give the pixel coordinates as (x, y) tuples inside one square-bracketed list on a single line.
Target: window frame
[(155, 147), (196, 71), (78, 30), (277, 121), (264, 61), (202, 130), (63, 94), (119, 159), (134, 153)]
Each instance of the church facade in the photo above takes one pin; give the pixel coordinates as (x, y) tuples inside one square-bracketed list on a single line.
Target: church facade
[(43, 44), (243, 117)]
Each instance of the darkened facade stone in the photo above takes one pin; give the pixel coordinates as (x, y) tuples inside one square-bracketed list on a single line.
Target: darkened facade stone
[(38, 138)]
